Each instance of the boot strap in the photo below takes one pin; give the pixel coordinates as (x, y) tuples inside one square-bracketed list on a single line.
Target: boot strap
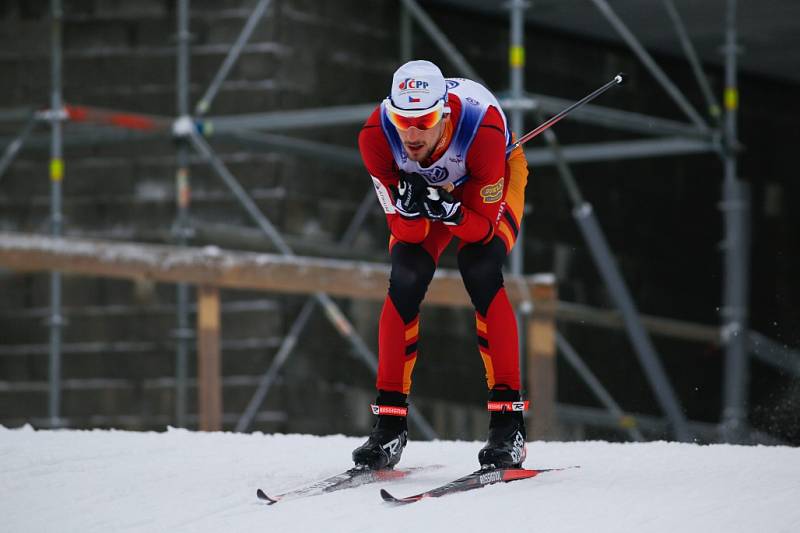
[(391, 410), (508, 406)]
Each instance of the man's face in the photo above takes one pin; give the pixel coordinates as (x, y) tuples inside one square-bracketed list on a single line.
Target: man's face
[(420, 144)]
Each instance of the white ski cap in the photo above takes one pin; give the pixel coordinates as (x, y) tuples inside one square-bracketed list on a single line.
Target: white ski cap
[(418, 85)]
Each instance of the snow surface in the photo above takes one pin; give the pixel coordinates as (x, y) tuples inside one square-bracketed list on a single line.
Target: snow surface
[(185, 481)]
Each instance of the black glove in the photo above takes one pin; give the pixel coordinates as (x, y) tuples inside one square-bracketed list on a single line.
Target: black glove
[(439, 204), (408, 194)]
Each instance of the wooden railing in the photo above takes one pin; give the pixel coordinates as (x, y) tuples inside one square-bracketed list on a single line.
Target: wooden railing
[(210, 268)]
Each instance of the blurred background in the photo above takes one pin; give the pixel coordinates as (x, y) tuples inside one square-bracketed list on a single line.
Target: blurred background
[(662, 210)]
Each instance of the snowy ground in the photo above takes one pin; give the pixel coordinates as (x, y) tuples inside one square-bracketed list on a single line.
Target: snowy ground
[(184, 481)]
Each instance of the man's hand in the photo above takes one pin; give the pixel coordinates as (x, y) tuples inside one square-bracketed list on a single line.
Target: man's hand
[(439, 204), (408, 194)]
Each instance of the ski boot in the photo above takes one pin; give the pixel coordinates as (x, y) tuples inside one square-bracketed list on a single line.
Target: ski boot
[(389, 434), (505, 446)]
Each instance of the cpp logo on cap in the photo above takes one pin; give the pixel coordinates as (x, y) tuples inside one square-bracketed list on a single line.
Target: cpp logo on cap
[(411, 84)]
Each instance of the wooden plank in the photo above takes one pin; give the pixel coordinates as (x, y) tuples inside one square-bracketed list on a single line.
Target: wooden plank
[(209, 359), (277, 273), (212, 266), (541, 357), (224, 269)]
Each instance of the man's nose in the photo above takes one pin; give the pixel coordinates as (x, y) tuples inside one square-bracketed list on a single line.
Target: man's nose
[(413, 133)]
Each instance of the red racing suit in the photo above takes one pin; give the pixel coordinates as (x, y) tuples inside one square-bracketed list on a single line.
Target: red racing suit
[(492, 199)]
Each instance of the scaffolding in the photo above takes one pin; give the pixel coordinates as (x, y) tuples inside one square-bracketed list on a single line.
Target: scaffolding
[(715, 133)]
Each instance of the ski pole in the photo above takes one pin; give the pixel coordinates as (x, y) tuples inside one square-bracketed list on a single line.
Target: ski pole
[(619, 79)]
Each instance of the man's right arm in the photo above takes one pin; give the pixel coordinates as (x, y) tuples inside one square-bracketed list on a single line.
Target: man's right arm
[(377, 157)]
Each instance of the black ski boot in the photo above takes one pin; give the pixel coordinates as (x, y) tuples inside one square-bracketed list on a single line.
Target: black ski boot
[(505, 446), (389, 434)]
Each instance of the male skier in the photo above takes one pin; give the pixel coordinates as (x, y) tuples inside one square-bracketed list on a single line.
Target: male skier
[(436, 151)]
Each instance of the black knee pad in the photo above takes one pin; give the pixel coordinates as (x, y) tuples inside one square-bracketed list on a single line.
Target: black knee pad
[(481, 269), (412, 271)]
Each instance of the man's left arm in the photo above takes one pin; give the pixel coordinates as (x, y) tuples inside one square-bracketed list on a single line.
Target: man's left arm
[(484, 192)]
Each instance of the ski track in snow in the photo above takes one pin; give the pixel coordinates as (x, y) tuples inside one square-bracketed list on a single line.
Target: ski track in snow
[(185, 481)]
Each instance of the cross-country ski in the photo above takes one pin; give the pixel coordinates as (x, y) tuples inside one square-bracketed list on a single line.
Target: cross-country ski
[(475, 480), (353, 477)]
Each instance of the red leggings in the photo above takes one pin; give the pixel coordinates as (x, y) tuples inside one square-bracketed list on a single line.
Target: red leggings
[(413, 266)]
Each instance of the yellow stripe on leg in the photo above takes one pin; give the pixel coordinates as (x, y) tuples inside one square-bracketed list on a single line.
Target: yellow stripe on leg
[(412, 331), (487, 363), (408, 368)]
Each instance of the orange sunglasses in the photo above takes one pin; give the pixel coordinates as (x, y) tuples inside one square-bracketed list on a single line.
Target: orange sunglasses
[(422, 119)]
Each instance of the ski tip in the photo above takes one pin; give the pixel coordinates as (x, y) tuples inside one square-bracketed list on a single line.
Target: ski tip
[(566, 468), (393, 499), (555, 469), (263, 497)]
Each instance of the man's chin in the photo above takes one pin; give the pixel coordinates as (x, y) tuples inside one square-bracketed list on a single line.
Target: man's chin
[(416, 155)]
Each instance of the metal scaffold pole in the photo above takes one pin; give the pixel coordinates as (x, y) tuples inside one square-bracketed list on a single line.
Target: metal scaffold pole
[(598, 245), (406, 37), (180, 230), (583, 212), (329, 307), (56, 217), (572, 357), (15, 146), (441, 40), (649, 63), (516, 63), (204, 103), (735, 207), (691, 55)]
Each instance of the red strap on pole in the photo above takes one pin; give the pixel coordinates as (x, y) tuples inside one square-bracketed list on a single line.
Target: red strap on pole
[(119, 119)]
